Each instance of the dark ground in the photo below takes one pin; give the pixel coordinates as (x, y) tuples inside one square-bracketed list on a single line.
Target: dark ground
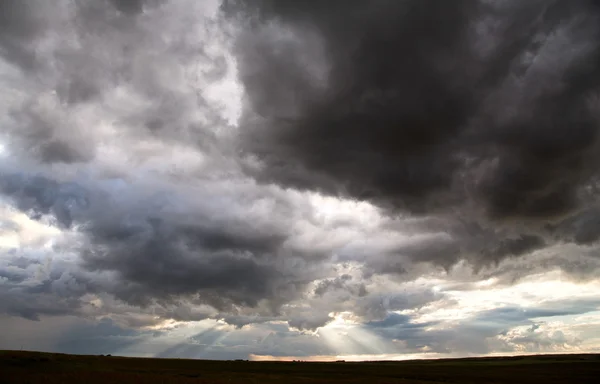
[(33, 367)]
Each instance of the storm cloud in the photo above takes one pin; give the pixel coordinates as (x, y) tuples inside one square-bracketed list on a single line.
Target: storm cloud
[(425, 106), (220, 179)]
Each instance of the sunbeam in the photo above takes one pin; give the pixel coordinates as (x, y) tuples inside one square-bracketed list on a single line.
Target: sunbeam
[(346, 337)]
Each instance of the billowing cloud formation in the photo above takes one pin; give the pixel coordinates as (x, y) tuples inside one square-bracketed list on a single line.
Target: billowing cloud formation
[(425, 105), (112, 135), (161, 251), (220, 179)]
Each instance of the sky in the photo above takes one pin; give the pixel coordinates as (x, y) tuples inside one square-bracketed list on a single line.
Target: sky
[(277, 179)]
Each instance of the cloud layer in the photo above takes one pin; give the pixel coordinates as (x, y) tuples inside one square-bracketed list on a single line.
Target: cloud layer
[(220, 179)]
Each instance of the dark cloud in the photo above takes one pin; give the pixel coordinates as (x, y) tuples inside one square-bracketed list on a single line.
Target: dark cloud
[(16, 301), (379, 305), (582, 228), (39, 196), (343, 282), (160, 254), (33, 286), (424, 105), (128, 6), (19, 23), (40, 137), (134, 7), (152, 204), (518, 246), (195, 233), (309, 320), (577, 263), (446, 241), (198, 232)]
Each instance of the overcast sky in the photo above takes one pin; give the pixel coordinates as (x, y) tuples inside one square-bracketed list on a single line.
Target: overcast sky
[(300, 179)]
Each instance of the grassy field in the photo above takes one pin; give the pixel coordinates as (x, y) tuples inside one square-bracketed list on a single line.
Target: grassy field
[(33, 367)]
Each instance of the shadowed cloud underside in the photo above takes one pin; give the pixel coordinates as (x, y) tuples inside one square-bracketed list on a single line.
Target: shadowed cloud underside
[(221, 179)]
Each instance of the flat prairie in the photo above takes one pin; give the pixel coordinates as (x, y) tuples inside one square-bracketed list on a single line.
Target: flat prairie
[(53, 368)]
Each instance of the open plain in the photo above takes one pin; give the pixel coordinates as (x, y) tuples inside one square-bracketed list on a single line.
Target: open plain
[(49, 368)]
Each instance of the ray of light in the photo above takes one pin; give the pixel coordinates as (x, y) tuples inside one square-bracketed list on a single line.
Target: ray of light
[(344, 336)]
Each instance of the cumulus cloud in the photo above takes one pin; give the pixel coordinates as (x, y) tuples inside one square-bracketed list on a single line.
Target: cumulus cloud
[(424, 106), (115, 137), (261, 169)]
